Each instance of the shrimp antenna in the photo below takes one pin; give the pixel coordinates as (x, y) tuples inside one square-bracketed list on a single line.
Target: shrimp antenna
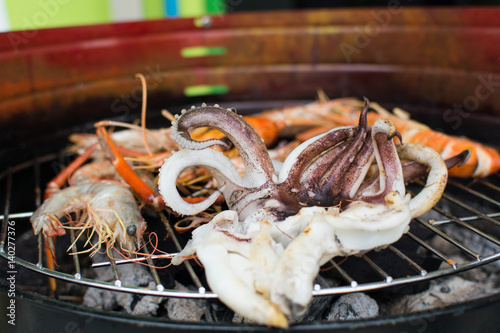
[(143, 111)]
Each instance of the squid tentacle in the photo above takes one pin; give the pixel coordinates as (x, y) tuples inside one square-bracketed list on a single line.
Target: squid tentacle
[(436, 180), (413, 170), (311, 178), (338, 168), (358, 169), (301, 157), (390, 169), (213, 161), (314, 157), (250, 146)]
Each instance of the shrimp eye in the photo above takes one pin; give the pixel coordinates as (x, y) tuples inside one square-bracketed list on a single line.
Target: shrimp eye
[(131, 230)]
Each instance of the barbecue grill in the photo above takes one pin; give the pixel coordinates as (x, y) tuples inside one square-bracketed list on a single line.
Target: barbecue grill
[(423, 60)]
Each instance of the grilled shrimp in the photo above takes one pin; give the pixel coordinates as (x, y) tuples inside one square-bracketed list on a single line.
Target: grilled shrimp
[(108, 207), (321, 116), (132, 139)]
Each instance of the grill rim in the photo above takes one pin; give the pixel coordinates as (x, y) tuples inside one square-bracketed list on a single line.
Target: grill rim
[(461, 315), (365, 287)]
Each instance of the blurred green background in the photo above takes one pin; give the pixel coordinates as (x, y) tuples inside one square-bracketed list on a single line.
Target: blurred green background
[(39, 14)]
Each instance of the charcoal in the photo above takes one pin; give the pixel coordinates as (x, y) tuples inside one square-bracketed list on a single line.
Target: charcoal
[(100, 299), (353, 306), (442, 292), (185, 309), (237, 319), (131, 275)]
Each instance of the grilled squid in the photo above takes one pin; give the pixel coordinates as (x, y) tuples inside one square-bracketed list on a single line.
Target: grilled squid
[(284, 221)]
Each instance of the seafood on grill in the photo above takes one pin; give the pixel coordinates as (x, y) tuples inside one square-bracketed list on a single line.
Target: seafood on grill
[(105, 208), (324, 114), (287, 219), (151, 146), (132, 138), (113, 151), (129, 156)]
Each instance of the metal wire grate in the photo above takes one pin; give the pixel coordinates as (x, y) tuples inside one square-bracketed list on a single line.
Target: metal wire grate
[(458, 206)]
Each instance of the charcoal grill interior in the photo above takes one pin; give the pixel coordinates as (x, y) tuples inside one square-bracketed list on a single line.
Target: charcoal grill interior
[(459, 206), (470, 205), (425, 83)]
